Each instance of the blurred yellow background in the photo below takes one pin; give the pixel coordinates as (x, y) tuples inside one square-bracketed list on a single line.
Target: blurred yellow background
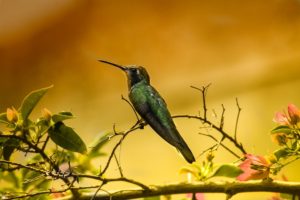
[(246, 49)]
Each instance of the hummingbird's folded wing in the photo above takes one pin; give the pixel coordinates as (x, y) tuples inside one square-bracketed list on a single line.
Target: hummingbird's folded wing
[(153, 109)]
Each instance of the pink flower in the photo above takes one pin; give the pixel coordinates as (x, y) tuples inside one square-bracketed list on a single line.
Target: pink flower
[(281, 118), (254, 167), (294, 113), (276, 196), (199, 196), (292, 118)]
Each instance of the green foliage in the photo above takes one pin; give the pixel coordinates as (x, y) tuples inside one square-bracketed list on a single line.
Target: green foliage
[(285, 196), (59, 133), (31, 100), (61, 116), (282, 129), (31, 138), (227, 170), (3, 119), (207, 169), (282, 153), (66, 138), (98, 143), (9, 146), (152, 198), (71, 156)]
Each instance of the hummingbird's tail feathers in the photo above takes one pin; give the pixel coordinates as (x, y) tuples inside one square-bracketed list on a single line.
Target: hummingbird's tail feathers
[(186, 152)]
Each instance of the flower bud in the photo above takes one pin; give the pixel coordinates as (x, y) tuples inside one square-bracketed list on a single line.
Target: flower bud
[(279, 138), (46, 114), (272, 158), (12, 114), (210, 156)]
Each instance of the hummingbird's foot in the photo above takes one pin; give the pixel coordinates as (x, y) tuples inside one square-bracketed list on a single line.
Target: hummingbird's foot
[(141, 123)]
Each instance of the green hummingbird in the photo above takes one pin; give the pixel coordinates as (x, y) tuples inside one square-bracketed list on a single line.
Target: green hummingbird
[(152, 107)]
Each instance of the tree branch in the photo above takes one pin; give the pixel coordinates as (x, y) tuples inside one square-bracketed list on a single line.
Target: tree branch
[(229, 188)]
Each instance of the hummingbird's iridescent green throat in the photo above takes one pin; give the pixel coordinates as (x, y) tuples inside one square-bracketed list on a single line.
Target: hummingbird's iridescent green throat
[(152, 107)]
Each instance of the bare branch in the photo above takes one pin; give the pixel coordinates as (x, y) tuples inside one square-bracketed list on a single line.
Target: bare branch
[(135, 113), (35, 148), (98, 189), (106, 180), (224, 134), (116, 146), (24, 166), (50, 191), (222, 117), (229, 188), (52, 164), (220, 143), (237, 118), (203, 92), (119, 166)]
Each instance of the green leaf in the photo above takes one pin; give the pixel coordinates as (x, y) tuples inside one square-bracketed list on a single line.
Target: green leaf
[(61, 116), (152, 198), (66, 138), (3, 140), (286, 196), (3, 118), (9, 146), (282, 129), (98, 144), (31, 100), (281, 153), (14, 178), (227, 170)]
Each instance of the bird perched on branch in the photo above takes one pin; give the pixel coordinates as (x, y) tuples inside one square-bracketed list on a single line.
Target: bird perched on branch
[(152, 107)]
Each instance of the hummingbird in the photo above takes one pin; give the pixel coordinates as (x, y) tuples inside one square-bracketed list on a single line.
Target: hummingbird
[(152, 107)]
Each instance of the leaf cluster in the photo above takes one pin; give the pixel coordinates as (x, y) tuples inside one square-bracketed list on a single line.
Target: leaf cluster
[(31, 138)]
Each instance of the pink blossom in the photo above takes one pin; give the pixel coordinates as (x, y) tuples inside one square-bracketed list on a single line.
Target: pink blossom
[(294, 113), (276, 197), (281, 118), (292, 118), (254, 167), (199, 196)]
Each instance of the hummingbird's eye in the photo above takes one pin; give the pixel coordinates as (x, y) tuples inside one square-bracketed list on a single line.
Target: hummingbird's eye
[(135, 70)]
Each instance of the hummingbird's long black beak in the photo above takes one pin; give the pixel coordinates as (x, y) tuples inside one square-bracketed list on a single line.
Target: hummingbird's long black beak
[(113, 64)]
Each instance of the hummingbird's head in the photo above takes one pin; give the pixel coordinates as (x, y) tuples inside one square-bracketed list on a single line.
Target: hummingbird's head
[(135, 74)]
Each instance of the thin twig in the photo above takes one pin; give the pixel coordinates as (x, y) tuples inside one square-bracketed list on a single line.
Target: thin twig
[(34, 147), (135, 113), (115, 148), (106, 180), (220, 143), (119, 166), (224, 134), (45, 157), (19, 165), (40, 193), (45, 143), (222, 117), (203, 92), (98, 189), (237, 118)]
